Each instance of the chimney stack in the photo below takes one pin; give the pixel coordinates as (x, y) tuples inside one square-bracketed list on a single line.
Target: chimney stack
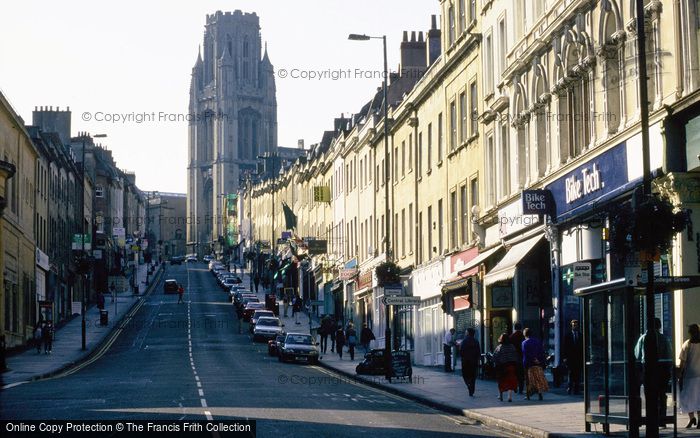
[(434, 45)]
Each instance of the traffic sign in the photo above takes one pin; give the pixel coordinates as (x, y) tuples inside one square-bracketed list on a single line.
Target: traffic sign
[(401, 301), (393, 291)]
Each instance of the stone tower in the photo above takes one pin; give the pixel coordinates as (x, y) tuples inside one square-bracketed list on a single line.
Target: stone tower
[(233, 112)]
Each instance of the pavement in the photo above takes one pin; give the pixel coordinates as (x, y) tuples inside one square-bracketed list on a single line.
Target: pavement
[(28, 365), (558, 415)]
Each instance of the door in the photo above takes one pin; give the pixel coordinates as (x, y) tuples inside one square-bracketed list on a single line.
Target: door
[(500, 322)]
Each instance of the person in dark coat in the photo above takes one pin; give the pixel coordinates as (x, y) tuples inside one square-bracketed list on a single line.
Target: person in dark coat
[(573, 356), (517, 338), (47, 335), (470, 353), (326, 330), (351, 339), (339, 341), (332, 330), (366, 336)]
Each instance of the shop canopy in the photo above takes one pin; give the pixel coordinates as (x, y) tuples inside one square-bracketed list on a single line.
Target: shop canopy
[(459, 280), (505, 269)]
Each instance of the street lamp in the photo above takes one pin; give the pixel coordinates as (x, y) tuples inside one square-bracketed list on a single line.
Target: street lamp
[(83, 260), (387, 228)]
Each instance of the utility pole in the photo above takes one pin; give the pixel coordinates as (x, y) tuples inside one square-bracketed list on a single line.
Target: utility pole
[(651, 391)]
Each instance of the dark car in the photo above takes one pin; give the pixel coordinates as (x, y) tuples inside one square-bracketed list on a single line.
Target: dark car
[(170, 286), (298, 347), (250, 309), (273, 345), (175, 260)]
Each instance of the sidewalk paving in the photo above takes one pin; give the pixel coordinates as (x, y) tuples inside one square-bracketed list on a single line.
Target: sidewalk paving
[(67, 345), (558, 415)]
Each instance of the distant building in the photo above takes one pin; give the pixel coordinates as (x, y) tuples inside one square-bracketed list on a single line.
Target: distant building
[(166, 221), (233, 121)]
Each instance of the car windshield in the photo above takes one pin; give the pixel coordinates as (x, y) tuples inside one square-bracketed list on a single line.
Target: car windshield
[(268, 321), (298, 339), (262, 314)]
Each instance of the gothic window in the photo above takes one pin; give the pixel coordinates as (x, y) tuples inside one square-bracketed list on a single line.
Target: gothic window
[(612, 55), (541, 143), (523, 144), (246, 59)]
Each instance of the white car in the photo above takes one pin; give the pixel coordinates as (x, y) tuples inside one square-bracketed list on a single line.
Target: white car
[(191, 259), (267, 327)]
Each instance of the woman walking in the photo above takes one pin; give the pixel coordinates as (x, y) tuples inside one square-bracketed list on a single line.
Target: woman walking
[(689, 398), (339, 341), (351, 338), (534, 363), (506, 358)]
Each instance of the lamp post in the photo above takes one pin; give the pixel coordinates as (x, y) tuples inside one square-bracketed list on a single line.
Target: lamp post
[(83, 260), (387, 227)]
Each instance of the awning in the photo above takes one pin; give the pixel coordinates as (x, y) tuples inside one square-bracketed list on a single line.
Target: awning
[(505, 269), (471, 268)]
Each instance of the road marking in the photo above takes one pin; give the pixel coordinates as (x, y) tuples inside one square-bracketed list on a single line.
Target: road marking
[(208, 414), (199, 384), (201, 393), (12, 385), (204, 403)]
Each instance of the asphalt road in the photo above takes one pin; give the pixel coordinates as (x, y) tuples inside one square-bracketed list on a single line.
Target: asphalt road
[(150, 373)]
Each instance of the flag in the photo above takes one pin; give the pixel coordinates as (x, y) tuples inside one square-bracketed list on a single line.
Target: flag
[(289, 217)]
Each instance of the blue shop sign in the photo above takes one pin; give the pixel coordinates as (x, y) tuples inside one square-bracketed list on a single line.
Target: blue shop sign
[(598, 179)]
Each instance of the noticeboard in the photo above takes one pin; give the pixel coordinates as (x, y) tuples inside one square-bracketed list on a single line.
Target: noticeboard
[(401, 364)]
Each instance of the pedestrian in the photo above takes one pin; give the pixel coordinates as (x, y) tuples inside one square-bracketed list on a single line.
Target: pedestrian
[(351, 338), (332, 330), (689, 381), (506, 358), (286, 303), (325, 331), (366, 336), (180, 293), (296, 308), (573, 357), (662, 376), (447, 344), (339, 341), (534, 363), (470, 353), (47, 335), (38, 337), (256, 280), (517, 338), (100, 301)]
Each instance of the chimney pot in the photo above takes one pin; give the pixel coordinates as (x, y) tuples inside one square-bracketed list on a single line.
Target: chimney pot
[(413, 36), (420, 36), (405, 36), (433, 22)]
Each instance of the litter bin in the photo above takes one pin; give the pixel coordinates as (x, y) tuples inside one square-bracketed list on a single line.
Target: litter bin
[(104, 317)]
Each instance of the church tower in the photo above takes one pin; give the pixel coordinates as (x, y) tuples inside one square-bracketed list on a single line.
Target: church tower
[(233, 120)]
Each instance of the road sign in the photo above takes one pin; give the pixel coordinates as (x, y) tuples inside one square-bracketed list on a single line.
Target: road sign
[(401, 301), (393, 291)]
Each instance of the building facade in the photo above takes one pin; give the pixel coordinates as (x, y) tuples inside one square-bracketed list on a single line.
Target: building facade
[(233, 120)]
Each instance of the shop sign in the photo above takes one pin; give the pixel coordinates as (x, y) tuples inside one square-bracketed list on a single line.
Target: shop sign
[(317, 246), (461, 302), (42, 260), (458, 261), (365, 280), (511, 219), (591, 181), (539, 202), (348, 274)]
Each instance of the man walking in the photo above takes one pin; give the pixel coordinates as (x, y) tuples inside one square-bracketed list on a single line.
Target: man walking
[(366, 336), (325, 331), (180, 293), (447, 345), (573, 357), (517, 338), (470, 353), (47, 335)]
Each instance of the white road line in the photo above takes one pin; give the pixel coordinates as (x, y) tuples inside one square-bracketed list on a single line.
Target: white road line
[(199, 384), (204, 402), (201, 393), (196, 378), (208, 415)]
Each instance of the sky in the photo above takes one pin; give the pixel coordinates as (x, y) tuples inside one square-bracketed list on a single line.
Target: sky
[(131, 58)]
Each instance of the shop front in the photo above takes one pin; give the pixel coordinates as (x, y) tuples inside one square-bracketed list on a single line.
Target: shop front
[(42, 272), (460, 295), (430, 320), (363, 300)]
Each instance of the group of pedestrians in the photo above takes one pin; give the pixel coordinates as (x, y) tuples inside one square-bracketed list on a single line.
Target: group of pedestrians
[(43, 336), (341, 337), (519, 359)]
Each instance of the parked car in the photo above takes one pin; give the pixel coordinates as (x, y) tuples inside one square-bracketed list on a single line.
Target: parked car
[(207, 258), (176, 260), (170, 286), (250, 309), (258, 314), (232, 291), (245, 299), (227, 282), (273, 345), (298, 346), (191, 259), (267, 328)]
